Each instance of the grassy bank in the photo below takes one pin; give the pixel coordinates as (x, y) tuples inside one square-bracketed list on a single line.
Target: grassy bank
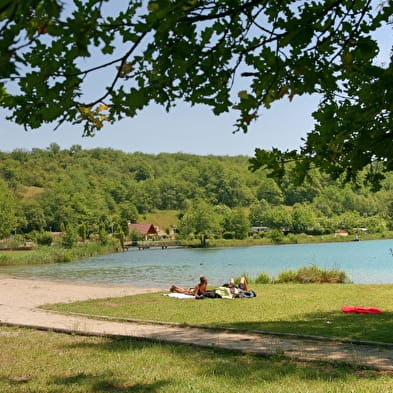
[(313, 309), (45, 362), (53, 254)]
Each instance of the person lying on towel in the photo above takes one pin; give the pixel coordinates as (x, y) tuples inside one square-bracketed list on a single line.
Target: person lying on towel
[(198, 290)]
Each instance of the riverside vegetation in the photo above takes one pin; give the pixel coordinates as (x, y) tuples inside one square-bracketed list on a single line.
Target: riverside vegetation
[(90, 195), (97, 190)]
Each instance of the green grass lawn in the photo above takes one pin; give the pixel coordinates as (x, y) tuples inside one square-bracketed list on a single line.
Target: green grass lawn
[(312, 309), (46, 362)]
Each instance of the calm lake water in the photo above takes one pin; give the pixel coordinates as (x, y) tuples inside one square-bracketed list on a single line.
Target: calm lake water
[(364, 262)]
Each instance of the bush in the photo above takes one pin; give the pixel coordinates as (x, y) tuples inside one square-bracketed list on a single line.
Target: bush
[(67, 257), (228, 235), (275, 236), (3, 259), (44, 239), (69, 237), (103, 234), (309, 274), (292, 238), (60, 257), (313, 274), (287, 276), (263, 278)]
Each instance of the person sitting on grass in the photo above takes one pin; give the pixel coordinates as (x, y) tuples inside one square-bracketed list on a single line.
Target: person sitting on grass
[(231, 290), (198, 290), (242, 285)]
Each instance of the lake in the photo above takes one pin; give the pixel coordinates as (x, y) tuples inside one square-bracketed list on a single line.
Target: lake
[(364, 262)]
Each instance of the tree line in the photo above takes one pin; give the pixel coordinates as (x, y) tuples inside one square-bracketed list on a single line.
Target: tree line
[(98, 191)]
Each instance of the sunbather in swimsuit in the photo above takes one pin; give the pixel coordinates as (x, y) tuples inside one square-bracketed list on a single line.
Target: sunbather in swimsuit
[(198, 290), (231, 290)]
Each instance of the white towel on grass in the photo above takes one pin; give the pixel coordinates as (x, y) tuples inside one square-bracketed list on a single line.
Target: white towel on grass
[(179, 295)]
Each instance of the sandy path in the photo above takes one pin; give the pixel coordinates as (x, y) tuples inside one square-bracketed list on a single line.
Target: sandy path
[(19, 299)]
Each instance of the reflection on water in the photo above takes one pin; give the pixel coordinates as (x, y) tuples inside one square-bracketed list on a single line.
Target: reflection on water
[(364, 262)]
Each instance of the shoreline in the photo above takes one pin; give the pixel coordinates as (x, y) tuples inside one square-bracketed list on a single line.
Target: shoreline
[(21, 294), (366, 262)]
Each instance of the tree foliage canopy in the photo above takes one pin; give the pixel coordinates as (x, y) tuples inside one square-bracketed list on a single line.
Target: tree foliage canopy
[(100, 190), (231, 55)]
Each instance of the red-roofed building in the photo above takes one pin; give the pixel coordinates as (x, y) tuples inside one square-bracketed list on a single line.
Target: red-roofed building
[(145, 230)]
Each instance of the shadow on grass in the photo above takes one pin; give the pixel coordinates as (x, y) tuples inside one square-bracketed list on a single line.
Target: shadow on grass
[(108, 384), (368, 327), (109, 387), (222, 363), (124, 365)]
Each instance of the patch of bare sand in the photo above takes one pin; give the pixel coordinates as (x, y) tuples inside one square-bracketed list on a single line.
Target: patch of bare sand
[(28, 293), (20, 299)]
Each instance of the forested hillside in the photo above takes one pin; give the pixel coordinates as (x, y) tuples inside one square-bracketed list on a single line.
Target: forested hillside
[(99, 189)]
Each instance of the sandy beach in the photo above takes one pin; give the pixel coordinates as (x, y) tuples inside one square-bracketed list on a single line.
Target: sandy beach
[(20, 297)]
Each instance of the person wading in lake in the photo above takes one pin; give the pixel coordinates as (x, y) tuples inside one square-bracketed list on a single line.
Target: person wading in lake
[(198, 290)]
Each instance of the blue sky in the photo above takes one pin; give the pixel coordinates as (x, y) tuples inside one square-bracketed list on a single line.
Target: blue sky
[(185, 129)]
